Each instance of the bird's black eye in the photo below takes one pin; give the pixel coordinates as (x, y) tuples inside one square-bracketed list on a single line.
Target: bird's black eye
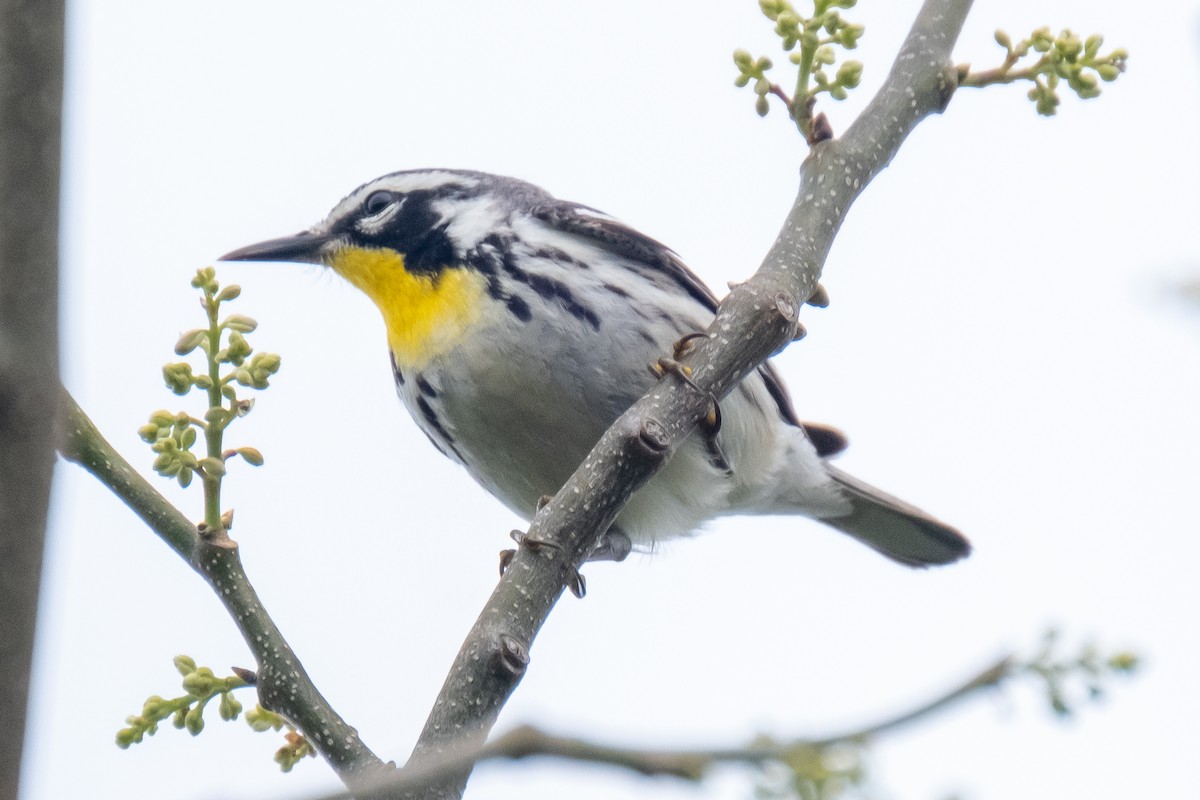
[(378, 201)]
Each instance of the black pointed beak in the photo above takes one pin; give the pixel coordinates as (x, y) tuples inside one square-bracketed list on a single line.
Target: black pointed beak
[(304, 247)]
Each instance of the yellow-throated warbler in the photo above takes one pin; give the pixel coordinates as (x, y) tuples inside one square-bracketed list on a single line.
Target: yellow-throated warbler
[(521, 327)]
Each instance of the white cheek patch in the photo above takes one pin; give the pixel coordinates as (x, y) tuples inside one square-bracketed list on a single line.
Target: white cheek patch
[(470, 220), (372, 225)]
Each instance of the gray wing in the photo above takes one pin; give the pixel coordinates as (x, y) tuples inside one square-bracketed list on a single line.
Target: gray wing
[(620, 239)]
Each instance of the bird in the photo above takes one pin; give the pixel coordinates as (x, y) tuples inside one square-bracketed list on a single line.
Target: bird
[(520, 326)]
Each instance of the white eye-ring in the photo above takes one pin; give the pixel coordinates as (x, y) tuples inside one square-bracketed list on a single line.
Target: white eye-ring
[(380, 207)]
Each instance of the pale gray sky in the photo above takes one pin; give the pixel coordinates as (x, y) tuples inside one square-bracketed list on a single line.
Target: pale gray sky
[(1003, 349)]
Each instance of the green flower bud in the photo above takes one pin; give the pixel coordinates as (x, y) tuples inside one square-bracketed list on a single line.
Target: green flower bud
[(237, 351), (251, 456), (189, 341), (1108, 72), (204, 276), (270, 362), (230, 708), (239, 322), (188, 437), (850, 35), (194, 720), (741, 80), (772, 8), (1042, 40), (1092, 46), (185, 665), (184, 477), (230, 292), (742, 59), (849, 74), (761, 106), (128, 736), (177, 719), (262, 720), (148, 433), (1003, 39), (154, 707), (203, 382), (178, 377), (198, 683), (162, 418), (824, 55)]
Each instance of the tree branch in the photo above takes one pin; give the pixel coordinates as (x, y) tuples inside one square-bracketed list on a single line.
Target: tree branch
[(31, 79), (691, 765), (756, 319), (283, 685)]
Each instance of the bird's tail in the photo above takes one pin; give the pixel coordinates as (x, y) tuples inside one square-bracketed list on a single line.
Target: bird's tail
[(901, 532)]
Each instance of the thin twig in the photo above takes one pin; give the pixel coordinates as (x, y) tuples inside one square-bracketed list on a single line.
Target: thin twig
[(283, 685), (690, 765)]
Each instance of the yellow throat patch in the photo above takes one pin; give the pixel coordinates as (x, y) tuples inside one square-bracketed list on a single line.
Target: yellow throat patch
[(425, 315)]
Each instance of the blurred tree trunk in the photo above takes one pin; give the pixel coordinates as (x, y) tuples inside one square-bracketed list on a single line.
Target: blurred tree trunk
[(31, 78)]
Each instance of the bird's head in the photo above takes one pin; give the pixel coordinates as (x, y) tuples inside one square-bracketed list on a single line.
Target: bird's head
[(404, 239)]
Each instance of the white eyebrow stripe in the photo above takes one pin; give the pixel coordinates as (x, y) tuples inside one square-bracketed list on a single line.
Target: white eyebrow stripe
[(401, 183)]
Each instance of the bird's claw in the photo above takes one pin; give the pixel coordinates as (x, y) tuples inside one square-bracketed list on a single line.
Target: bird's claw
[(577, 583), (669, 365), (684, 346), (710, 424)]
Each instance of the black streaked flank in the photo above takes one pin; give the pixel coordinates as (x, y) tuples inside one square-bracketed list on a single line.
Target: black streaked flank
[(425, 387), (432, 418), (396, 373)]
